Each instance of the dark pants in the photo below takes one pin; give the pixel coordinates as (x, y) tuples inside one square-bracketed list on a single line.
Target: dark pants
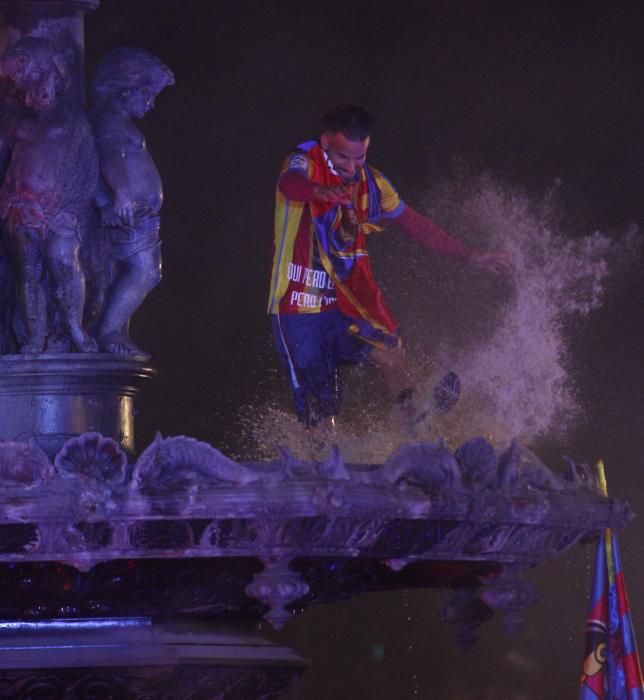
[(311, 348)]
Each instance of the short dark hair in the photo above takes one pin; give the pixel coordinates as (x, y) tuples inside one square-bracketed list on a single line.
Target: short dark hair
[(353, 121)]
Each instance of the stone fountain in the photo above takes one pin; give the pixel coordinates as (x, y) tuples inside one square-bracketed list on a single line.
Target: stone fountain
[(145, 574)]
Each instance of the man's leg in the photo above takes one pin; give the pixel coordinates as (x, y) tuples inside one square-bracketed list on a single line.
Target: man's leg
[(392, 365), (304, 346)]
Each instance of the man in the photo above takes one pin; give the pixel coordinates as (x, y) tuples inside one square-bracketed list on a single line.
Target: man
[(325, 307)]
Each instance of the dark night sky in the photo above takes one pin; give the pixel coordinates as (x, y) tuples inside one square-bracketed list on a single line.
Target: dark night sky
[(529, 91)]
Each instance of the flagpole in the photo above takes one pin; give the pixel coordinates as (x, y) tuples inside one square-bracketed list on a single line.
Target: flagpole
[(611, 662)]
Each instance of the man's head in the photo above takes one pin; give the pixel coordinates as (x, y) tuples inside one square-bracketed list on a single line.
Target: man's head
[(345, 139)]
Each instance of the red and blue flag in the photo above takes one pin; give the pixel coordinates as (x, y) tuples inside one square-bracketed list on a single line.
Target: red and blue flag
[(611, 663)]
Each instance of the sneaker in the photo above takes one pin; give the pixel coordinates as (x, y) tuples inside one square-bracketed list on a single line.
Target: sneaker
[(446, 393), (444, 397)]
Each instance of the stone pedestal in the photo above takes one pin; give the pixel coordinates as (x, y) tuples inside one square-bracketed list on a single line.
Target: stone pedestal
[(136, 658), (54, 397)]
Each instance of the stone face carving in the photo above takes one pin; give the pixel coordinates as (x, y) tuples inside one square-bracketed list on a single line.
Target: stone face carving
[(130, 195), (50, 177)]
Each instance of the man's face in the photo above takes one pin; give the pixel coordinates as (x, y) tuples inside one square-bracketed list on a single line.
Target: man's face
[(347, 156)]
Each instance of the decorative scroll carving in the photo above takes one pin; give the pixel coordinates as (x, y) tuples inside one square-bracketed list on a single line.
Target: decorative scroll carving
[(511, 594), (95, 468), (19, 539), (467, 612), (93, 457), (161, 535), (23, 465), (276, 586), (159, 682)]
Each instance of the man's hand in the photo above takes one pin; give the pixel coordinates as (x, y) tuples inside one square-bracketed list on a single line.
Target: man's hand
[(496, 263), (296, 186), (334, 195)]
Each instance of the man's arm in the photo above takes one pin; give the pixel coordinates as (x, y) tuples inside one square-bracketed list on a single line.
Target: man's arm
[(431, 236), (295, 185)]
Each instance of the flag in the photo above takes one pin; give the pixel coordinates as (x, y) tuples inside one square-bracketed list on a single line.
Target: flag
[(611, 662)]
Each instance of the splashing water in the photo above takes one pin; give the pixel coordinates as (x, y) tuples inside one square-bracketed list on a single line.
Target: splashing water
[(507, 339), (517, 380), (368, 438)]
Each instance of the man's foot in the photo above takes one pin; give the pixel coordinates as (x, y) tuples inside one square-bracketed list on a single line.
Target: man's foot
[(446, 393), (120, 344), (322, 433), (444, 397)]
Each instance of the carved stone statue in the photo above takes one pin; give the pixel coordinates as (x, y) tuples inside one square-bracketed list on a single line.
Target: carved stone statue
[(130, 195), (50, 167)]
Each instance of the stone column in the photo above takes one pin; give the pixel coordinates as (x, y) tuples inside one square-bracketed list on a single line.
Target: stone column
[(52, 397)]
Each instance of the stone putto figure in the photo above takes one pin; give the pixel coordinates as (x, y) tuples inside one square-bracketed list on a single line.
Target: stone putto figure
[(130, 193), (50, 176)]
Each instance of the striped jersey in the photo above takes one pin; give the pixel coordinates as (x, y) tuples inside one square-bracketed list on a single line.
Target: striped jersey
[(316, 266)]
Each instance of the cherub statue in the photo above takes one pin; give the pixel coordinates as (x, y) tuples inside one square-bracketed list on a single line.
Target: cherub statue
[(50, 176), (130, 193)]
